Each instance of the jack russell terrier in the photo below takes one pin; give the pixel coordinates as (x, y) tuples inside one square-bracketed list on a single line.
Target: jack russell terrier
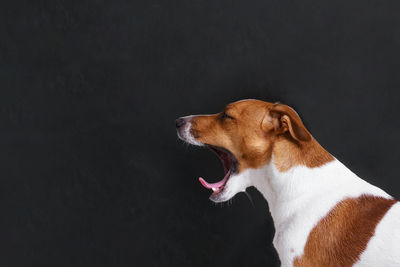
[(324, 214)]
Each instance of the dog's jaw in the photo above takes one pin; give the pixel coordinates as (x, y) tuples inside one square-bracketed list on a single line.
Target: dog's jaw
[(237, 183)]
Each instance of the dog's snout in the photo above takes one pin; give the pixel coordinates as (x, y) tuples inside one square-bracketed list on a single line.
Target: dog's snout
[(179, 122)]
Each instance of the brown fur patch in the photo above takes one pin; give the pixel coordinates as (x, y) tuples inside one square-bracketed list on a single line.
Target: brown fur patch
[(340, 237), (250, 133), (288, 153)]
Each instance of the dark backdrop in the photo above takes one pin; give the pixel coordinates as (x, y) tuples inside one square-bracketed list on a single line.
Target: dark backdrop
[(92, 173)]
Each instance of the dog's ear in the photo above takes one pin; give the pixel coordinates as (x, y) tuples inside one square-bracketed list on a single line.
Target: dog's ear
[(285, 119)]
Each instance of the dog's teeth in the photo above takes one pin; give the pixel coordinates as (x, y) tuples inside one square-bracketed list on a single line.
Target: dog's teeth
[(213, 189)]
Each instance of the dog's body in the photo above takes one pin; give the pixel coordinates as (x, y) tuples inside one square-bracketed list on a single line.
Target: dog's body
[(324, 215), (299, 198)]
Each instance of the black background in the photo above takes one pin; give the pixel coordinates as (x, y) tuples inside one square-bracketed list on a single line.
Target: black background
[(92, 173)]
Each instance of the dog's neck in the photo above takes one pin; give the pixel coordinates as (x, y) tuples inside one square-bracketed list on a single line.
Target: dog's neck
[(299, 197), (287, 192)]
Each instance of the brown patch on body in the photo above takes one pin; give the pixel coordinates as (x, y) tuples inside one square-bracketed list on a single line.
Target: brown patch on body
[(340, 237), (255, 130)]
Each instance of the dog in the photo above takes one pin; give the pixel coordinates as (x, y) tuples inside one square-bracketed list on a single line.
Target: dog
[(324, 214)]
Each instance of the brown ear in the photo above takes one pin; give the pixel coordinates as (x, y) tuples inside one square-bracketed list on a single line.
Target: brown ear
[(284, 119)]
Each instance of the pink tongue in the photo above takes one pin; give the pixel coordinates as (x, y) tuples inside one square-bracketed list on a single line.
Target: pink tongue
[(216, 185)]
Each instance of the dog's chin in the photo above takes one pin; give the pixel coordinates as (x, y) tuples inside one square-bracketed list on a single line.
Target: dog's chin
[(237, 183), (222, 196)]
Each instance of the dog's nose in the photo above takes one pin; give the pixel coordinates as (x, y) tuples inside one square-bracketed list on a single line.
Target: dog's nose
[(179, 122)]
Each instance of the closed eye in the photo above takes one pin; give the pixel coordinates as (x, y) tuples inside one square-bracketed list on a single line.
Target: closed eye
[(224, 115)]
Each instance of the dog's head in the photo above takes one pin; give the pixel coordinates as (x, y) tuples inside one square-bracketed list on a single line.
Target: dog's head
[(243, 137)]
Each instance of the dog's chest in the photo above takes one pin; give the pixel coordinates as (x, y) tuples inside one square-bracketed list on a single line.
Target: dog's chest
[(291, 237)]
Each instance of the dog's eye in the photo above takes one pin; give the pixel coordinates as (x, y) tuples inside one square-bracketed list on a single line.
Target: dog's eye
[(225, 116)]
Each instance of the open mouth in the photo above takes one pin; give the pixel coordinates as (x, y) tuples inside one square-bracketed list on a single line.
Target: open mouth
[(230, 167)]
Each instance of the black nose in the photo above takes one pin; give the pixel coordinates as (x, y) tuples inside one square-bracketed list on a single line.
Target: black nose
[(179, 122)]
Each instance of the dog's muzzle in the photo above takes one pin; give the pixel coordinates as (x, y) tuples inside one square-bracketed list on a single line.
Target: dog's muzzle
[(183, 128)]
